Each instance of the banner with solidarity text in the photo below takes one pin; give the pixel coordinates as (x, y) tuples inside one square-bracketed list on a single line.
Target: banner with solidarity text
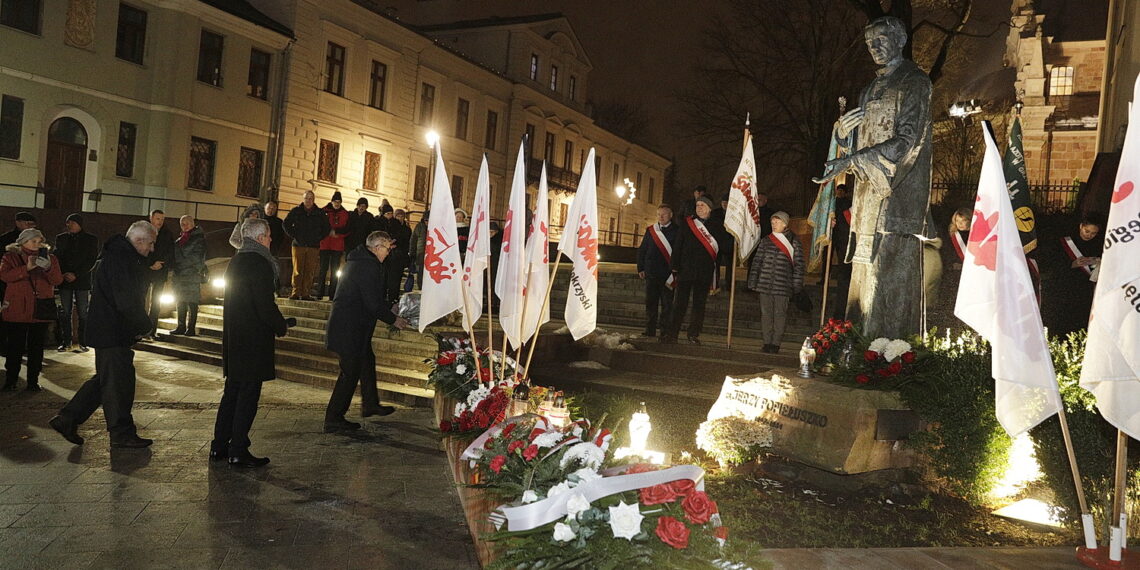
[(580, 244), (742, 217), (442, 290)]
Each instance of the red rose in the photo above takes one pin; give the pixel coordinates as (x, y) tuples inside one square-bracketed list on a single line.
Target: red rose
[(531, 452), (870, 355), (721, 532), (658, 494), (698, 507), (834, 337), (497, 462), (862, 378), (832, 322), (895, 367), (908, 357), (516, 444), (485, 374), (826, 345), (480, 418), (507, 429), (673, 532), (683, 487), (640, 468), (445, 359), (815, 345), (884, 372), (445, 426)]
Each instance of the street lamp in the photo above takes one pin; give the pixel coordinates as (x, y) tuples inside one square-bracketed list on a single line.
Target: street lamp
[(963, 110), (627, 191)]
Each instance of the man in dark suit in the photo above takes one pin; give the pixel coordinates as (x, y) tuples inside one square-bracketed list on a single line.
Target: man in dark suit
[(654, 265), (159, 263), (117, 320), (694, 262), (358, 304), (250, 322), (77, 251)]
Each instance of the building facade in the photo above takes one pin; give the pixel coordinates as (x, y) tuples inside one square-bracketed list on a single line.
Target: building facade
[(1059, 55), (122, 107)]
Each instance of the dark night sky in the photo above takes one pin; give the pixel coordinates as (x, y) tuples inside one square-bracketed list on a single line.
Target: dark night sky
[(644, 51)]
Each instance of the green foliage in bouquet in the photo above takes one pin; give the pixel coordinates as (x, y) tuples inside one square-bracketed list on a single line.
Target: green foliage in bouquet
[(834, 343), (1093, 441), (457, 370)]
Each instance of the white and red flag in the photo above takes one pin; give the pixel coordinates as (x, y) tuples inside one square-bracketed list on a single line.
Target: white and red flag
[(580, 243), (1112, 353), (511, 277), (742, 217), (996, 298), (442, 290), (478, 249), (537, 310)]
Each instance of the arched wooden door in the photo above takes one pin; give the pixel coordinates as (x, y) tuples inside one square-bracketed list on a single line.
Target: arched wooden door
[(66, 165)]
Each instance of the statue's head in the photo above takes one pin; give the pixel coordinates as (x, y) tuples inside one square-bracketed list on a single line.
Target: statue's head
[(885, 39)]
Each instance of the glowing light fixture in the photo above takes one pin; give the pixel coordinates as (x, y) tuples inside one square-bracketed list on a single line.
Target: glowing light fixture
[(219, 283), (166, 299), (432, 138)]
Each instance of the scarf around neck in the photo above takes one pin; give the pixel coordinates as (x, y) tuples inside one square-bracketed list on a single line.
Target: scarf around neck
[(251, 246)]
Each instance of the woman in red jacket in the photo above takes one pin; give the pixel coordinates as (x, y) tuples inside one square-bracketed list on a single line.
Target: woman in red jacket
[(332, 247), (31, 273)]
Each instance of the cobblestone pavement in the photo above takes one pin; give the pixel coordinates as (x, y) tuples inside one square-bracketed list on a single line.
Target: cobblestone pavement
[(379, 498)]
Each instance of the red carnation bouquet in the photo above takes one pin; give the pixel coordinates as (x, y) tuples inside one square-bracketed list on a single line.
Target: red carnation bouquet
[(832, 341)]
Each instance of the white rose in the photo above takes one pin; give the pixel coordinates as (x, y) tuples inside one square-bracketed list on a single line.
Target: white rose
[(563, 532), (625, 520), (585, 475), (558, 489), (529, 496), (576, 505), (461, 369)]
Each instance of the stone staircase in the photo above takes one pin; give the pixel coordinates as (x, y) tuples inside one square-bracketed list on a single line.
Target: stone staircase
[(302, 356)]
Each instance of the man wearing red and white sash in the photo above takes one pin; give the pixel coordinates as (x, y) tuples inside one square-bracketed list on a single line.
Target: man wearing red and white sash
[(1067, 266), (777, 273), (655, 266), (694, 265)]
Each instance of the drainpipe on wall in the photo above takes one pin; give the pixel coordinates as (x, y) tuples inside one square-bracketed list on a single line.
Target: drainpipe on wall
[(277, 129)]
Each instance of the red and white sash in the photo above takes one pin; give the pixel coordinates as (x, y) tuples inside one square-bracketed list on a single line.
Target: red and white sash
[(663, 247), (847, 215), (711, 246), (1071, 250), (783, 244), (959, 245)]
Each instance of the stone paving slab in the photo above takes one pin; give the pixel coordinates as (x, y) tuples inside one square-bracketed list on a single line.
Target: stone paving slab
[(925, 558), (378, 498)]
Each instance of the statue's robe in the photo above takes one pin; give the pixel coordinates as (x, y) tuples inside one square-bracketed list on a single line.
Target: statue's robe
[(891, 202)]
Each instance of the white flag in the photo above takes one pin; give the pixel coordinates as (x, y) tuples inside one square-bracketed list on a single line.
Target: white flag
[(1112, 353), (537, 263), (996, 298), (742, 217), (478, 249), (511, 277), (442, 290), (580, 243)]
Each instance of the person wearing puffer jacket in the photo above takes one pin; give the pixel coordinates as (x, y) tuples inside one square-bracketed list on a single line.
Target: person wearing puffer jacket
[(777, 273), (251, 211), (31, 273), (189, 274), (332, 247)]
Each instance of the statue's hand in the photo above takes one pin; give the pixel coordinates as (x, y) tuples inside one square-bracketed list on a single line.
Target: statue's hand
[(849, 121), (833, 168)]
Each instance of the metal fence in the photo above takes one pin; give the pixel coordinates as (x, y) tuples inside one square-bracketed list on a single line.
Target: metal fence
[(1045, 198)]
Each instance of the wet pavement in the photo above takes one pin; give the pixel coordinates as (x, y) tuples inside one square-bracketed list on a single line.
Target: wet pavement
[(378, 498)]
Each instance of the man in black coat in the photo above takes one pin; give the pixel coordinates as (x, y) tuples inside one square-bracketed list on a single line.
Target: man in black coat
[(694, 263), (77, 251), (117, 320), (358, 304), (280, 247), (250, 320), (654, 265), (307, 225), (360, 223), (159, 263)]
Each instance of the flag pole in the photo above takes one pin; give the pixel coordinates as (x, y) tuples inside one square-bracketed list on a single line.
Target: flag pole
[(545, 304), (490, 312), (1086, 516), (1117, 533), (732, 269), (826, 276)]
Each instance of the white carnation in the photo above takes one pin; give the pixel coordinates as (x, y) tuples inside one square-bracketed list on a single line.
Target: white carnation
[(548, 439), (461, 369), (563, 532), (529, 496), (558, 489), (576, 505), (585, 453), (625, 520), (585, 475), (879, 344), (895, 349)]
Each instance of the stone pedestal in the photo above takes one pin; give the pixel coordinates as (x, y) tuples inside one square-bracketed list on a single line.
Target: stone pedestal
[(831, 427)]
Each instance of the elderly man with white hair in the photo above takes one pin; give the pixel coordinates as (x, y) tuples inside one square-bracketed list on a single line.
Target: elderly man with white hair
[(251, 320), (117, 319)]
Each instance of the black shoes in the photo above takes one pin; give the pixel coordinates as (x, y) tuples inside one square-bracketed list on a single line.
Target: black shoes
[(246, 461), (67, 429), (333, 426), (378, 411), (216, 456), (191, 332), (63, 348), (178, 331), (132, 441), (668, 339), (83, 348), (34, 388), (694, 340), (770, 348)]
